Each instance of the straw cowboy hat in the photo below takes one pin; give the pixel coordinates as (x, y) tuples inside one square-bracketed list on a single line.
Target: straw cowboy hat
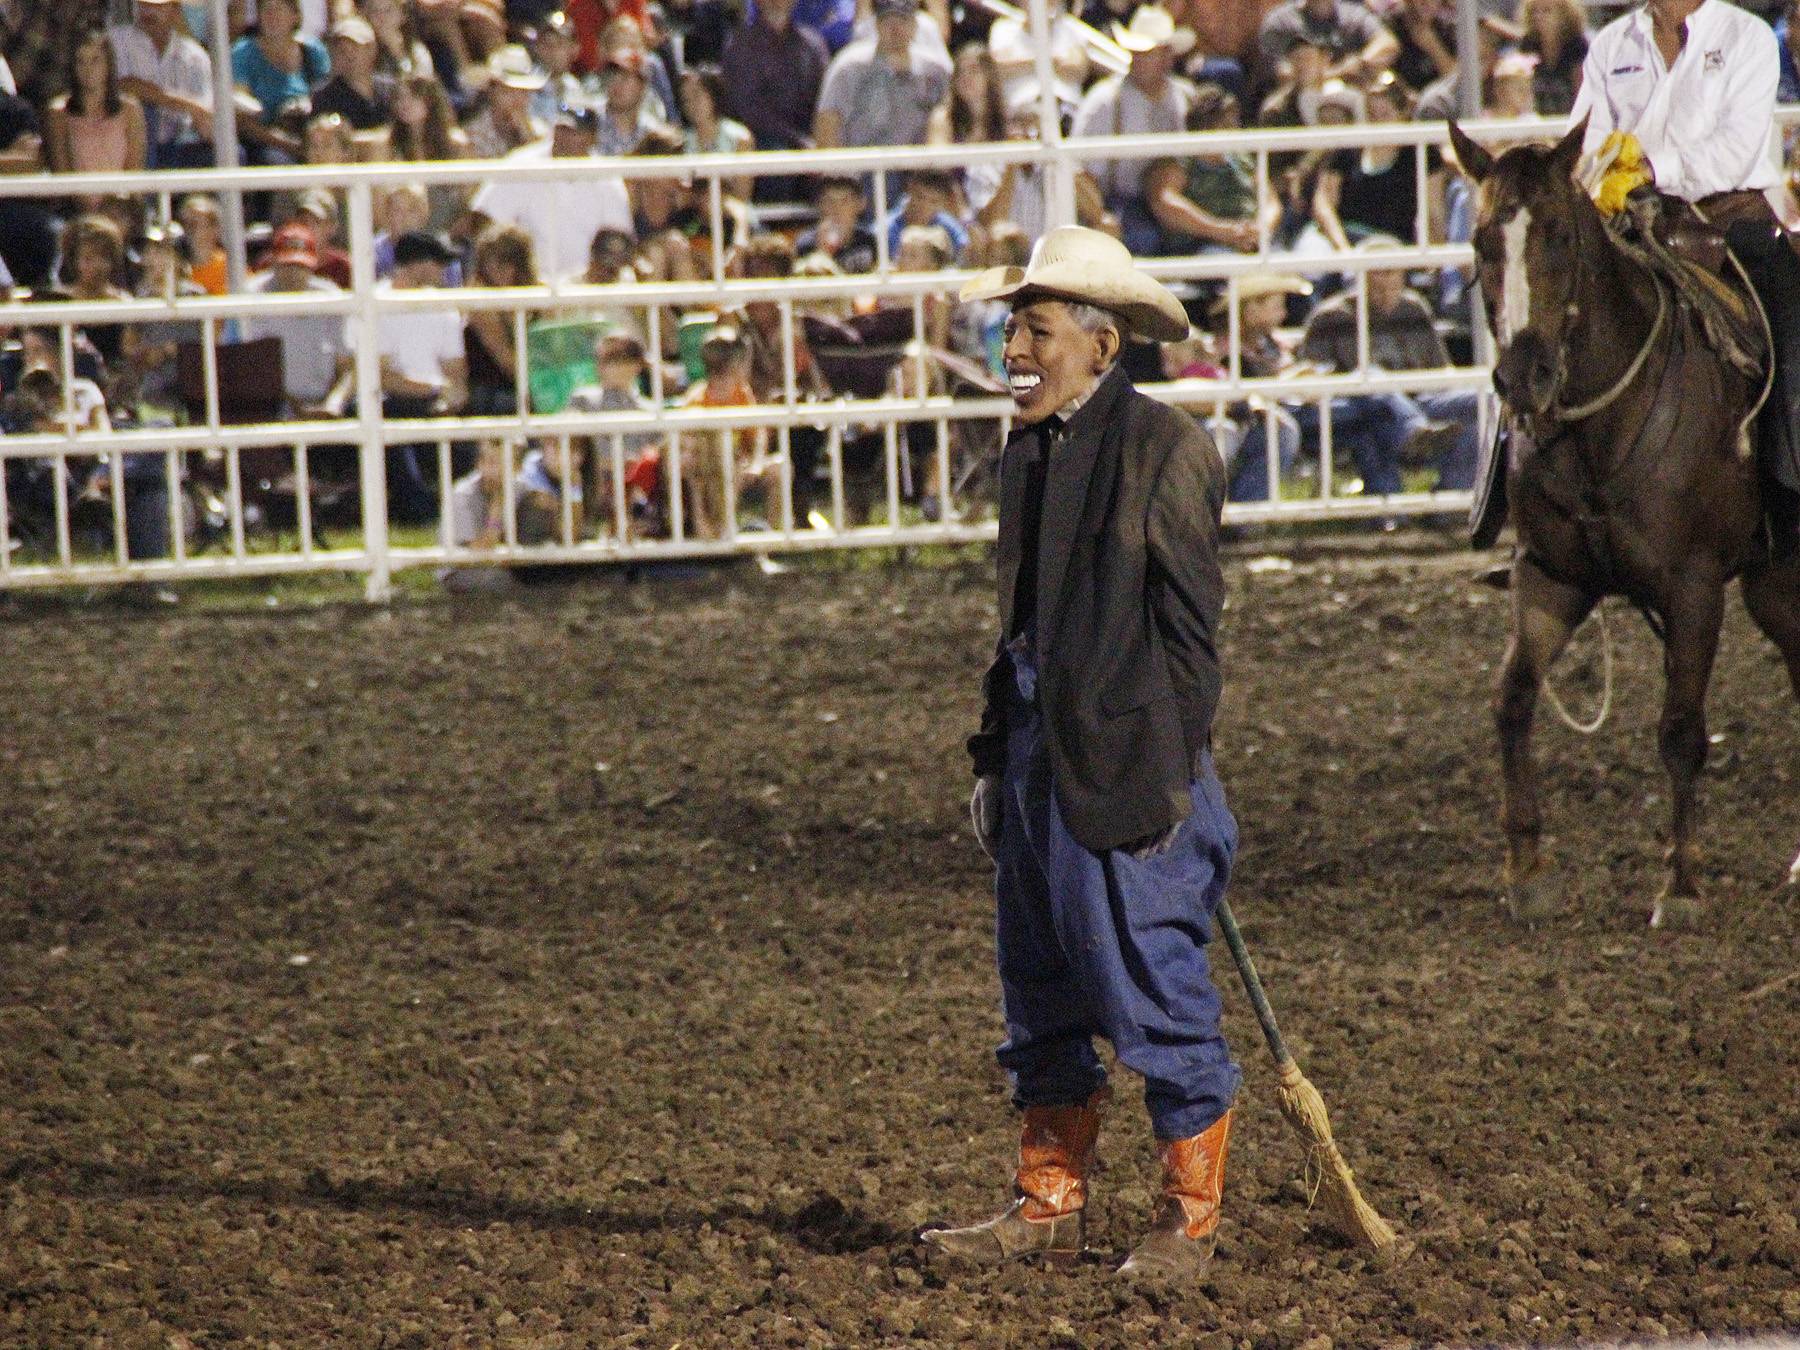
[(1153, 27), (1089, 268), (1258, 285)]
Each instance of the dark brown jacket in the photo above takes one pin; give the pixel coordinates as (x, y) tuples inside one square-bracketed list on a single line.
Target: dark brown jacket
[(1129, 594)]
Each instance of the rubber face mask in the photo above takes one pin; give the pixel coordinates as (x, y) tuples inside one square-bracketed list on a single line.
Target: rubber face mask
[(1051, 359)]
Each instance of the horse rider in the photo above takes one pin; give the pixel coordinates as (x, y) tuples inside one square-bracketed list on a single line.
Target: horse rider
[(1686, 91), (1095, 793)]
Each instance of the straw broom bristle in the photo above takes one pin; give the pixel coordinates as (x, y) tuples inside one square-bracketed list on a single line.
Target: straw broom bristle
[(1328, 1177)]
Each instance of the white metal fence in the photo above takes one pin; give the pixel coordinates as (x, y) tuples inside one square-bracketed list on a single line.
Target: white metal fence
[(875, 485)]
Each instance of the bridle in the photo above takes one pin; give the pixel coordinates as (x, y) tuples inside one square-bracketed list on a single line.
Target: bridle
[(1557, 414)]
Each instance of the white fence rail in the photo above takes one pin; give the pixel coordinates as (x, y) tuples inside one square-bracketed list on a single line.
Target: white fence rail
[(906, 495)]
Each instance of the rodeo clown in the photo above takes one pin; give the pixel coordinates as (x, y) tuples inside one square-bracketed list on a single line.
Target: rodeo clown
[(1095, 792)]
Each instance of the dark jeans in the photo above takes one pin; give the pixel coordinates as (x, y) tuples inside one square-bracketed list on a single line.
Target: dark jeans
[(1250, 466), (146, 518), (412, 470), (1372, 427), (182, 155)]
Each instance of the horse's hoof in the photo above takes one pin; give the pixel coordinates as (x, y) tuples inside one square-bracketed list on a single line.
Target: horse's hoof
[(1536, 898), (1676, 913)]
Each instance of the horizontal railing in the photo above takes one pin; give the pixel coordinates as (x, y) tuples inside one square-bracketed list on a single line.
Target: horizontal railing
[(888, 510)]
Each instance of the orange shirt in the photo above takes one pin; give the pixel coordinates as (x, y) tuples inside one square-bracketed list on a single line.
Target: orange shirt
[(210, 276)]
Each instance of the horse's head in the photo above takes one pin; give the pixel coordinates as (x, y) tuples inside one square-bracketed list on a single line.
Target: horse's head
[(1532, 222)]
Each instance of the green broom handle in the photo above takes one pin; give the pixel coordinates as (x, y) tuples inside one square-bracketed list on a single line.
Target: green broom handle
[(1252, 986)]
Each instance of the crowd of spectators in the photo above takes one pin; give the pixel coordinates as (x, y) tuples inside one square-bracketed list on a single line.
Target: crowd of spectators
[(98, 85)]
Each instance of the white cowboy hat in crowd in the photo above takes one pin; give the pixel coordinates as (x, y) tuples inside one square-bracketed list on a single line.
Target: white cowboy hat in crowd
[(1075, 263), (1152, 27), (513, 67), (1258, 285)]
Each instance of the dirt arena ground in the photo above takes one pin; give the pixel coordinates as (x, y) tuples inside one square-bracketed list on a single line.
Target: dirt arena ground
[(612, 966)]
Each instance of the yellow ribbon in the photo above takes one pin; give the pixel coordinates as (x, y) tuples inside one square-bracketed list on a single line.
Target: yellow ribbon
[(1626, 171)]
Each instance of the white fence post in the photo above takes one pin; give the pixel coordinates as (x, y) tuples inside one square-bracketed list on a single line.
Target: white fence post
[(1059, 197), (372, 448)]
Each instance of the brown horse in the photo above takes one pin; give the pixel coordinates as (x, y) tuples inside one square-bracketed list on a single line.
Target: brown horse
[(1631, 483)]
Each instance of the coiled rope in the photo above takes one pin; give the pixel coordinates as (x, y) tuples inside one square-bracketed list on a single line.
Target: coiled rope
[(1606, 679)]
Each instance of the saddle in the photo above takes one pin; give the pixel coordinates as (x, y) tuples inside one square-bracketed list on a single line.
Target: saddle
[(1667, 235)]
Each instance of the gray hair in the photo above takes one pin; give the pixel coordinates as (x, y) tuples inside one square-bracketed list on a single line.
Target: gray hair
[(1092, 318)]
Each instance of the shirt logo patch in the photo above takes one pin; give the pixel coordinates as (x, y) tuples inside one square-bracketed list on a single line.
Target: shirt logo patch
[(1713, 60)]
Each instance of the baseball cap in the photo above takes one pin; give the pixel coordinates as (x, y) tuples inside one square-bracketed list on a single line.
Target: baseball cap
[(318, 202), (294, 243), (421, 246), (724, 334), (626, 58), (355, 30)]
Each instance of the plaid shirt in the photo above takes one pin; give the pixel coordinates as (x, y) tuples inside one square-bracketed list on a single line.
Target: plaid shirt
[(37, 37)]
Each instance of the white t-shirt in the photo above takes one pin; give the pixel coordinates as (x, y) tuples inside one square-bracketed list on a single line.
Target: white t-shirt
[(180, 68), (1029, 209), (416, 343), (1707, 123), (1117, 107), (561, 215), (311, 344), (88, 407)]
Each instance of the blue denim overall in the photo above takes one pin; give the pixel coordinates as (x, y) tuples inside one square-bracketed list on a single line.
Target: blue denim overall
[(1104, 944)]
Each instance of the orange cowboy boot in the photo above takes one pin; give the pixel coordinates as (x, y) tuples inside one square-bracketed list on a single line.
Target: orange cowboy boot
[(1180, 1241), (1056, 1148)]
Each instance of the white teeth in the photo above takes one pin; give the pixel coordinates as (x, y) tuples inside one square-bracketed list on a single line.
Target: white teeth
[(1022, 384)]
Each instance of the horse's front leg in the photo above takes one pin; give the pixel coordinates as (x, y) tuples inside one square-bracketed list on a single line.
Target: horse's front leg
[(1696, 611), (1545, 615)]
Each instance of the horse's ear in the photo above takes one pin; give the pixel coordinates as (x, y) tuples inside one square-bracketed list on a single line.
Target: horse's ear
[(1567, 153), (1476, 161)]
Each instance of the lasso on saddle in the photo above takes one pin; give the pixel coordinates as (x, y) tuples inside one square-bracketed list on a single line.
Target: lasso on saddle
[(1671, 237)]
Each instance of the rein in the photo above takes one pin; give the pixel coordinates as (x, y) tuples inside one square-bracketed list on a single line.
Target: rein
[(1554, 415), (1595, 496), (1632, 371)]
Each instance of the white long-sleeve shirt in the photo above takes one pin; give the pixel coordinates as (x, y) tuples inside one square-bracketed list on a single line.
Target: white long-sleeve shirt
[(1705, 123)]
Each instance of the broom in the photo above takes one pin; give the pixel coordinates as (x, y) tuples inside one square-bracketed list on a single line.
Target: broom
[(1328, 1177)]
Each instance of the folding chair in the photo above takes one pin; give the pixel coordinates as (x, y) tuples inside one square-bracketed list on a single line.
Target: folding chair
[(252, 390)]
